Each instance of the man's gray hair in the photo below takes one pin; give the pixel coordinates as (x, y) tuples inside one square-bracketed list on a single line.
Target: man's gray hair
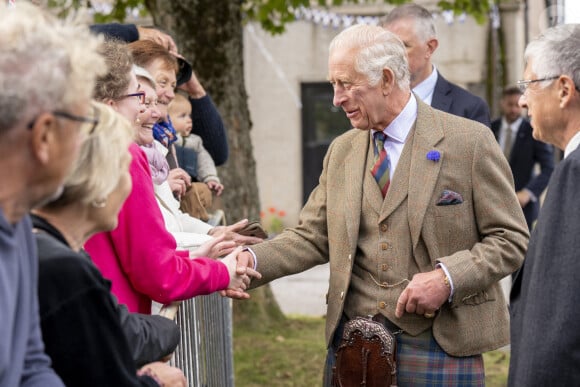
[(424, 23), (45, 64), (375, 49), (556, 52)]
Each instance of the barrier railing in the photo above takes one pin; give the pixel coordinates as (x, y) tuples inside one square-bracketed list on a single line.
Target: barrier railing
[(205, 351)]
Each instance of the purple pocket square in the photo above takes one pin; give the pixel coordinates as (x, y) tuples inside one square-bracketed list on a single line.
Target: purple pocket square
[(449, 198)]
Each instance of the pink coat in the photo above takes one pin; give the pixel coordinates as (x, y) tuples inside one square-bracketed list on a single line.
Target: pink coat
[(140, 256)]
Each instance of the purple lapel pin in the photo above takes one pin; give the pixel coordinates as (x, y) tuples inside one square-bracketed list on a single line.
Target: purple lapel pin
[(433, 155)]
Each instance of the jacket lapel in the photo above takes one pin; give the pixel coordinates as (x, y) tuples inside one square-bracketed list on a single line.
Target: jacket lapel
[(423, 172), (354, 179), (441, 100)]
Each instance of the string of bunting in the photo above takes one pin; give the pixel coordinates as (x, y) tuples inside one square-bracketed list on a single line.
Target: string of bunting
[(341, 20)]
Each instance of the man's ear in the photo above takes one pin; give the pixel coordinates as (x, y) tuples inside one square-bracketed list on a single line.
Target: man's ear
[(388, 81), (432, 45), (566, 89), (43, 136)]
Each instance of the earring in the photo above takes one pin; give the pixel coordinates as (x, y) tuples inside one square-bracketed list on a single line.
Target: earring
[(100, 203)]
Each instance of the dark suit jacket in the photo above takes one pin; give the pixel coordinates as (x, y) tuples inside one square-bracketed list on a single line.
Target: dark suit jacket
[(545, 339), (455, 100), (526, 152)]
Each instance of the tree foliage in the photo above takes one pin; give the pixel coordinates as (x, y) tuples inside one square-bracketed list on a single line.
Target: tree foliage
[(273, 15)]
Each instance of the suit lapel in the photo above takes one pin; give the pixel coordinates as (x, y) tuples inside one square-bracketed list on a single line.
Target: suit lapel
[(423, 172), (441, 100), (354, 169)]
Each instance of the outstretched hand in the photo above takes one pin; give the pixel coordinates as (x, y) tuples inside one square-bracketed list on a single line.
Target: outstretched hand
[(231, 233), (214, 248), (241, 274)]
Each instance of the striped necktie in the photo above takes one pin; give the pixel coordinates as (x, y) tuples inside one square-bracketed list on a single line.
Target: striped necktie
[(382, 165)]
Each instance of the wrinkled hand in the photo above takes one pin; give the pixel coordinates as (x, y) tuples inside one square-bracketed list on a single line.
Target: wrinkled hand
[(424, 294), (178, 181), (239, 278), (167, 375), (158, 37), (214, 248), (193, 87), (231, 233), (215, 186)]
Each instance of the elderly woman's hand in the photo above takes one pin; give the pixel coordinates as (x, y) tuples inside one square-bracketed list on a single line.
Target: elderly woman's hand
[(231, 233), (214, 248), (179, 181)]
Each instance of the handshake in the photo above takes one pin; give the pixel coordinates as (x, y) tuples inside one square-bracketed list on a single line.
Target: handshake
[(229, 241)]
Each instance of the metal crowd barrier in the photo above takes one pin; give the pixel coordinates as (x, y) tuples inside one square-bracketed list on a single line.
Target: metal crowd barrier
[(205, 351)]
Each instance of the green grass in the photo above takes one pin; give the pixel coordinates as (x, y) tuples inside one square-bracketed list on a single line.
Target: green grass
[(293, 354)]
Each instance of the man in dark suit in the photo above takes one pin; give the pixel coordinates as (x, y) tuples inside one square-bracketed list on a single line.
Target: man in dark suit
[(545, 339), (414, 25), (514, 134)]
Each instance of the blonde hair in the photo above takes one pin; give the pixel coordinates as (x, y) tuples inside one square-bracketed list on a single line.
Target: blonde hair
[(103, 158), (179, 99), (45, 64)]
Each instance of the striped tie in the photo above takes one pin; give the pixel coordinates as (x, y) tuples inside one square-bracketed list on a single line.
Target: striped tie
[(382, 163)]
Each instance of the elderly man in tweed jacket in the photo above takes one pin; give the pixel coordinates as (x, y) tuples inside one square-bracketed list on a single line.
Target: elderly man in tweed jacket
[(428, 256)]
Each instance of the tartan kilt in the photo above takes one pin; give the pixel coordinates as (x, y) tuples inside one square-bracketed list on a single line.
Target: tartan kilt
[(421, 362)]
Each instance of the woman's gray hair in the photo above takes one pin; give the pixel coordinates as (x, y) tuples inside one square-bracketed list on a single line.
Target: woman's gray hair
[(140, 72), (556, 52), (45, 64), (103, 158), (422, 20), (375, 49)]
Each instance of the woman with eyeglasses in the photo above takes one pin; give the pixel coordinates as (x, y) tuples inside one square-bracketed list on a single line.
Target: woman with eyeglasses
[(80, 323)]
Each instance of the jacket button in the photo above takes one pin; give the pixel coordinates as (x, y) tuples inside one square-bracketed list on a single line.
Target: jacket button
[(384, 227), (382, 305), (384, 267), (384, 246)]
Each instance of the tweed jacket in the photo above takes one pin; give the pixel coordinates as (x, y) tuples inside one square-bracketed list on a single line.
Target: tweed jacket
[(480, 240)]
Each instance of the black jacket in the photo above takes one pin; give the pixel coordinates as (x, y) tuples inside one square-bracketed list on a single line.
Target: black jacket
[(91, 340)]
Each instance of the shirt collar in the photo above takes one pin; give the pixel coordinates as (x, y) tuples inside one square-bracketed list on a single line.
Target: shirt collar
[(514, 125), (425, 89), (399, 128), (572, 144)]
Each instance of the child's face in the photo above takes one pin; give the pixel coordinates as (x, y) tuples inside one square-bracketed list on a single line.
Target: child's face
[(180, 114)]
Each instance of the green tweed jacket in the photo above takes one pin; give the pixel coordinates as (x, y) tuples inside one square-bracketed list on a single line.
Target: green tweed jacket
[(480, 240)]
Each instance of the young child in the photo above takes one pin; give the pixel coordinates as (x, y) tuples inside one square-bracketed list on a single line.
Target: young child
[(205, 171)]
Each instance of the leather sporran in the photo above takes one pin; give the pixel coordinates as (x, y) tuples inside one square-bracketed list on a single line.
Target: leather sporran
[(196, 201), (366, 355)]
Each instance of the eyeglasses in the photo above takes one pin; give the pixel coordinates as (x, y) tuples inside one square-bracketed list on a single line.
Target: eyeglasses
[(73, 117), (140, 95), (524, 84), (89, 120), (150, 103)]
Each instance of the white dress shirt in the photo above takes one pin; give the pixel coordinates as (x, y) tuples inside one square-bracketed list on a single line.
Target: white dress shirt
[(425, 89)]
